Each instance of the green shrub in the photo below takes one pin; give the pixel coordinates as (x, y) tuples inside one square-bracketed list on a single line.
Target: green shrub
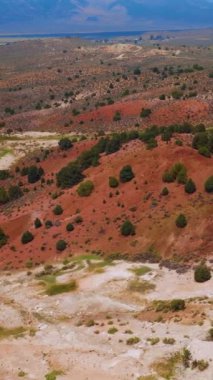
[(27, 237), (4, 174), (113, 182), (190, 187), (14, 193), (177, 305), (168, 177), (181, 221), (204, 151), (117, 116), (165, 191), (37, 223), (58, 210), (3, 238), (126, 174), (48, 224), (145, 112), (69, 176), (202, 273), (65, 144), (70, 227), (34, 174), (61, 245), (209, 185), (4, 198), (127, 228), (133, 340), (85, 189), (54, 289)]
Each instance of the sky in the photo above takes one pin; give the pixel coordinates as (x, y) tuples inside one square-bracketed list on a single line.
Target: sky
[(71, 16)]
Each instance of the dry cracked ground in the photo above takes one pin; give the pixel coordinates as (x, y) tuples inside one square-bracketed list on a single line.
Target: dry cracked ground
[(91, 319)]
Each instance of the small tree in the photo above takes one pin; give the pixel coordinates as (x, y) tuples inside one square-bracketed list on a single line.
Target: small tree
[(3, 196), (181, 221), (177, 305), (165, 191), (3, 238), (61, 245), (34, 174), (127, 228), (15, 192), (113, 182), (85, 189), (126, 174), (37, 223), (27, 237), (117, 116), (202, 273), (65, 144), (190, 187), (145, 112), (70, 227), (168, 177), (58, 210), (209, 185)]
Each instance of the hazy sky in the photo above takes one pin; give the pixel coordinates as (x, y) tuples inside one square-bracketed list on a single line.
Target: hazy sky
[(102, 15)]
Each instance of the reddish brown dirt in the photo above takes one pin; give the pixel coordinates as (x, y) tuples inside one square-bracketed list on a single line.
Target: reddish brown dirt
[(139, 200)]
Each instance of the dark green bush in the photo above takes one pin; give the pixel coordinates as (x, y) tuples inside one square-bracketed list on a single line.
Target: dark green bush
[(145, 112), (113, 182), (34, 174), (4, 198), (168, 177), (177, 305), (204, 151), (202, 273), (209, 185), (15, 192), (126, 174), (165, 191), (37, 223), (65, 144), (27, 237), (58, 210), (61, 245), (190, 187), (4, 174), (3, 238), (181, 221), (127, 228), (117, 116), (48, 224), (69, 176), (85, 189), (70, 227)]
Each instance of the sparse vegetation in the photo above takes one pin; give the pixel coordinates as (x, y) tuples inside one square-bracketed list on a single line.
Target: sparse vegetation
[(85, 188), (202, 273)]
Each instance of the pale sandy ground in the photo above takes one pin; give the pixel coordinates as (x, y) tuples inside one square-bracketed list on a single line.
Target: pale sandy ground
[(79, 351), (26, 142)]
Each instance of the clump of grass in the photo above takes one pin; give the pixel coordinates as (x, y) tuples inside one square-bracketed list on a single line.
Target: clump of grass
[(53, 375), (169, 341), (166, 367), (54, 289), (200, 364), (112, 330), (140, 286), (133, 340), (90, 323), (15, 332), (153, 341), (21, 374), (141, 271)]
